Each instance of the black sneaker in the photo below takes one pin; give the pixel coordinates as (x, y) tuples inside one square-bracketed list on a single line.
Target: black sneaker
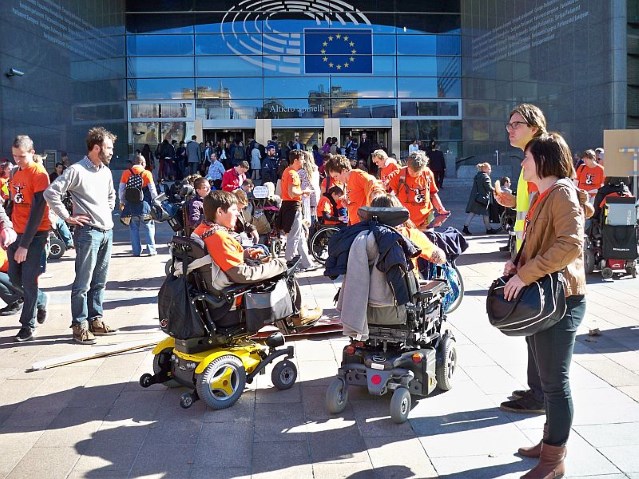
[(524, 405), (521, 393), (492, 231), (505, 248), (25, 334), (12, 308), (41, 313)]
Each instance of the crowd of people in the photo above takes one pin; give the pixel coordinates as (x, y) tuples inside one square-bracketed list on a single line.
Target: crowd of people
[(326, 185)]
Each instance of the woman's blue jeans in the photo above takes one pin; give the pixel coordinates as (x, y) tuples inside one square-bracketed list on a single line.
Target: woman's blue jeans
[(92, 256), (553, 349), (142, 232)]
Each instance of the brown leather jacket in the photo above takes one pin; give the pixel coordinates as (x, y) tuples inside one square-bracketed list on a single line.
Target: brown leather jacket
[(555, 238)]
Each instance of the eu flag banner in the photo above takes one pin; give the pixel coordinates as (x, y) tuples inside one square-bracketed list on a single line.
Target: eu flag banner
[(338, 50)]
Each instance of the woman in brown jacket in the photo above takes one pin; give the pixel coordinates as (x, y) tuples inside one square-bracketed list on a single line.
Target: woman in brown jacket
[(553, 241)]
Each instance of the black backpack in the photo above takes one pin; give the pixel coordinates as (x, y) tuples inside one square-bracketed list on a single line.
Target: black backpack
[(133, 191)]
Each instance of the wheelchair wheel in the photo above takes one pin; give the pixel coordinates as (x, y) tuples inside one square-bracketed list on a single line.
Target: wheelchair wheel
[(319, 243), (400, 405), (284, 375), (445, 367), (336, 396), (56, 248), (222, 382), (162, 362), (455, 304), (169, 268), (275, 248), (607, 273)]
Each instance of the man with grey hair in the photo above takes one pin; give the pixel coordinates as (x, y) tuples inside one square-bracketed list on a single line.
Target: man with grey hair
[(90, 184), (30, 218), (414, 185)]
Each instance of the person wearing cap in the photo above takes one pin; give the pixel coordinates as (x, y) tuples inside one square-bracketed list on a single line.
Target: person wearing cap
[(269, 164)]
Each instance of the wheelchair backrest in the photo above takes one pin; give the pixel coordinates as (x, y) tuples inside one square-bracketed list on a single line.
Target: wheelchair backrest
[(620, 211)]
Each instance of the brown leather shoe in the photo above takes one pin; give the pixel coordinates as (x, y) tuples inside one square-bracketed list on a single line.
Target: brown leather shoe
[(550, 465), (98, 327), (534, 451), (82, 335), (307, 316)]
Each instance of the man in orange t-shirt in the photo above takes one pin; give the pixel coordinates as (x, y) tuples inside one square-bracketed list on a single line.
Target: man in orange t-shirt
[(30, 217), (291, 212), (329, 207), (590, 175), (361, 187), (385, 165), (414, 185)]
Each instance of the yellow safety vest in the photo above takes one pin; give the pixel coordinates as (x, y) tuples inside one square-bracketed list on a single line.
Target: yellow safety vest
[(521, 207)]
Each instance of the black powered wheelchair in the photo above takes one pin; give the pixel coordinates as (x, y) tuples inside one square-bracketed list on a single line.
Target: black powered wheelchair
[(407, 352), (209, 349)]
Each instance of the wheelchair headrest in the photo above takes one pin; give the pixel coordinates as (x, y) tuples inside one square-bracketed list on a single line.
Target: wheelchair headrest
[(387, 216)]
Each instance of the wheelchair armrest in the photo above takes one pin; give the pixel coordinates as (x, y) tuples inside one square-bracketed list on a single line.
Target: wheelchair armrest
[(433, 287), (214, 301)]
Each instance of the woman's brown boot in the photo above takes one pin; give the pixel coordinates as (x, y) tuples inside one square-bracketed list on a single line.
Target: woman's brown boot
[(550, 465), (534, 451)]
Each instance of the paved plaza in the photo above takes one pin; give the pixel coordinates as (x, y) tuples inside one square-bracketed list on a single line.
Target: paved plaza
[(92, 419)]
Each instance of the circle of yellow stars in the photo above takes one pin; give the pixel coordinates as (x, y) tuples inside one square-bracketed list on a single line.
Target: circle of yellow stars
[(345, 38)]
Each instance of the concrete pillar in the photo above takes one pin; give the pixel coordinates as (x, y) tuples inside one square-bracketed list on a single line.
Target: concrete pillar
[(331, 128), (263, 131), (393, 141)]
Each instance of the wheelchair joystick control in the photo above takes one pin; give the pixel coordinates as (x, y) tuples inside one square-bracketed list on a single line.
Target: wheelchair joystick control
[(275, 340)]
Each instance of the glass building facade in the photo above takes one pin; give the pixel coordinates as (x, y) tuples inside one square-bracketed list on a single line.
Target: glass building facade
[(397, 69)]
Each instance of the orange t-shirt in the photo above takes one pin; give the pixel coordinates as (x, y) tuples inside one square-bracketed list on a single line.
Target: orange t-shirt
[(358, 189), (420, 240), (415, 193), (23, 187), (146, 175), (590, 178), (223, 248), (385, 172), (290, 177), (324, 206), (324, 184)]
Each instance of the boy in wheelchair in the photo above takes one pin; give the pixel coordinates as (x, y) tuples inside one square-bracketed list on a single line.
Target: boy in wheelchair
[(238, 265), (399, 341)]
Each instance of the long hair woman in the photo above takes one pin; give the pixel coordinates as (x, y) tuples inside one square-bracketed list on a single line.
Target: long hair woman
[(553, 241)]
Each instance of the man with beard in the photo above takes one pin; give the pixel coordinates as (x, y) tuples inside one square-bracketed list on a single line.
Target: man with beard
[(90, 184)]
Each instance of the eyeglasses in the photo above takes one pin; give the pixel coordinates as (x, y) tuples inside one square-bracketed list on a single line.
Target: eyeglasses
[(513, 125)]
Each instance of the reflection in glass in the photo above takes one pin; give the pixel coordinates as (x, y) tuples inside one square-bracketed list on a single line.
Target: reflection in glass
[(357, 108), (428, 87), (160, 67), (164, 45), (228, 109), (310, 107), (295, 87), (174, 88), (429, 45), (230, 65), (365, 87), (236, 88)]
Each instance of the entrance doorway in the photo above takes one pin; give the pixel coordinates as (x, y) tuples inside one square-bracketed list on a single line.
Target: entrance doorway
[(214, 136), (378, 137), (307, 136)]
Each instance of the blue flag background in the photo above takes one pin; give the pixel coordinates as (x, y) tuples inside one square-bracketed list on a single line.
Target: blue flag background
[(338, 51)]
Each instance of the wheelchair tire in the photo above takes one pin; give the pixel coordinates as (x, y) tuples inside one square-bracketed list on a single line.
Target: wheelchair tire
[(445, 368), (222, 382), (319, 243), (607, 273), (168, 267), (336, 396), (56, 248), (400, 405), (455, 304), (275, 248), (161, 362), (284, 375)]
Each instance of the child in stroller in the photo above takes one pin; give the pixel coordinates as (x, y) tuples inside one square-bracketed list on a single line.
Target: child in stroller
[(399, 340)]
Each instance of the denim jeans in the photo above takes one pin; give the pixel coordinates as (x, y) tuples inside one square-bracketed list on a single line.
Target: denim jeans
[(65, 233), (24, 276), (142, 232), (93, 253), (553, 353), (296, 243), (8, 293)]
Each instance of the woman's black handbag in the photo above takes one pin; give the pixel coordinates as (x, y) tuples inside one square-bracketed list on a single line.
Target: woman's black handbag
[(538, 306)]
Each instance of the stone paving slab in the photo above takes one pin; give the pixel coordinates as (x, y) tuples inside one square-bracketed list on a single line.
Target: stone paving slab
[(92, 419)]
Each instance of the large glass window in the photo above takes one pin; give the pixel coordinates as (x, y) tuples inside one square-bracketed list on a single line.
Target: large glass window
[(229, 43), (295, 87), (420, 87), (150, 67), (160, 45), (357, 108), (232, 66), (231, 88), (364, 87), (428, 45), (174, 88)]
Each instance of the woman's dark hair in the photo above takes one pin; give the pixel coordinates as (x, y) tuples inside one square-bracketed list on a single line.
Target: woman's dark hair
[(217, 199), (200, 182), (552, 156), (335, 190)]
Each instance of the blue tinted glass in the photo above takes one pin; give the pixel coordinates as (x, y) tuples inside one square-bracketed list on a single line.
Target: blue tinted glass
[(231, 66), (160, 45), (231, 88), (357, 108), (424, 87), (384, 44), (295, 87), (313, 107), (218, 109), (426, 66), (363, 87), (173, 88), (159, 23), (383, 65), (428, 45), (228, 44), (420, 23), (160, 66)]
